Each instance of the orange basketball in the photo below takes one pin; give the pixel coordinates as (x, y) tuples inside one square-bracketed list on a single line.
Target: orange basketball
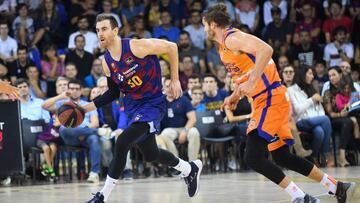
[(70, 114)]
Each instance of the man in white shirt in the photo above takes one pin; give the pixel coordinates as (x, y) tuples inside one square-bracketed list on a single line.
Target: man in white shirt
[(8, 45), (92, 43), (196, 30), (339, 50)]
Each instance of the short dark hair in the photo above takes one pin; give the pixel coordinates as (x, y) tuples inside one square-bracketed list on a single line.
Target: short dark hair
[(75, 81), (275, 9), (83, 17), (21, 81), (184, 32), (105, 16), (339, 29), (335, 2), (4, 22), (187, 56), (194, 76), (196, 88), (22, 47), (218, 14), (20, 6), (79, 35), (209, 75)]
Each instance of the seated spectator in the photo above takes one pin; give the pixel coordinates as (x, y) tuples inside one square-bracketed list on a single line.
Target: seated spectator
[(61, 85), (196, 30), (71, 71), (165, 68), (339, 50), (166, 29), (197, 95), (91, 40), (306, 52), (138, 28), (309, 23), (287, 76), (194, 80), (48, 26), (48, 141), (84, 135), (107, 7), (8, 45), (320, 75), (95, 74), (52, 66), (213, 96), (187, 71), (339, 118), (310, 115), (335, 75), (355, 76), (132, 8), (247, 12), (18, 67), (335, 20), (278, 33), (152, 15), (282, 61), (38, 87), (187, 49), (345, 67), (23, 25), (327, 10), (179, 124), (80, 57), (30, 106), (269, 5)]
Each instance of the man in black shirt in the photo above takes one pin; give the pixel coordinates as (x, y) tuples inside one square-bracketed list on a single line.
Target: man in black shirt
[(17, 68), (306, 52), (81, 58)]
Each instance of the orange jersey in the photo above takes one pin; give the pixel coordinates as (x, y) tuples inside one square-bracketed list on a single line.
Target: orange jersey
[(239, 63), (271, 105)]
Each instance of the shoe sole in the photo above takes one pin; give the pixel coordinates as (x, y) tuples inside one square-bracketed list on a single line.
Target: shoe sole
[(350, 192), (199, 164)]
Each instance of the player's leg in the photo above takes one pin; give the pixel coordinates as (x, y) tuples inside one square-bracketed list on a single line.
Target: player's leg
[(256, 148), (190, 170), (123, 143)]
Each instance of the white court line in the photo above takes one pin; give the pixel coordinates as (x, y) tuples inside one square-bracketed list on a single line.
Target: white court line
[(319, 195)]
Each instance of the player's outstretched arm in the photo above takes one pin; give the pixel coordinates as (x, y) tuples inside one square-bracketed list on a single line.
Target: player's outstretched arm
[(145, 47)]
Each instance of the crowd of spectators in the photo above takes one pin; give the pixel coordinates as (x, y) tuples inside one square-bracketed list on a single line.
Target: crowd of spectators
[(50, 51)]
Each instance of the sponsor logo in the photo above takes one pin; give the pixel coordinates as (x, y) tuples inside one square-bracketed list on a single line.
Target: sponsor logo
[(131, 71), (129, 60)]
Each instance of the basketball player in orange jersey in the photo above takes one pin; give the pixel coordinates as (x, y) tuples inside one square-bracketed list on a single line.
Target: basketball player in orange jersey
[(248, 60), (8, 89)]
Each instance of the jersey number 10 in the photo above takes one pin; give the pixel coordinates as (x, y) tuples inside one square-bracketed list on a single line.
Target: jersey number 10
[(135, 81)]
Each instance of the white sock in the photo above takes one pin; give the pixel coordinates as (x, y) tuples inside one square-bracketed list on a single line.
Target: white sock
[(108, 187), (329, 182), (184, 167), (294, 191)]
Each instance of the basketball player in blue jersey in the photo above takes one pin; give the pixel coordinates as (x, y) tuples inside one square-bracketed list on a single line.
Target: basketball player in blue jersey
[(131, 66)]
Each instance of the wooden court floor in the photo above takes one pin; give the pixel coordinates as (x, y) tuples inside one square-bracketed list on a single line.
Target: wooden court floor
[(247, 187)]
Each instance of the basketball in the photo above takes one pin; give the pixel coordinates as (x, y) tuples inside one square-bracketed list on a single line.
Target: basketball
[(70, 115)]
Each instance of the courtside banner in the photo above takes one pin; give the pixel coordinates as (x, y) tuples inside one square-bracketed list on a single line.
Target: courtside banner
[(11, 150)]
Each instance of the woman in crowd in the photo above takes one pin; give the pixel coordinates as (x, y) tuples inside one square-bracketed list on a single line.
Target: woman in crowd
[(339, 119), (310, 115), (287, 75)]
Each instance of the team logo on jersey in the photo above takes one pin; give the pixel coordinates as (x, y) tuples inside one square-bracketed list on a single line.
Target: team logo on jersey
[(120, 77), (113, 68), (138, 117), (129, 60)]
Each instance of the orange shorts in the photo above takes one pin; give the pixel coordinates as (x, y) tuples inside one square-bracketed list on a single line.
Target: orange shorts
[(271, 116)]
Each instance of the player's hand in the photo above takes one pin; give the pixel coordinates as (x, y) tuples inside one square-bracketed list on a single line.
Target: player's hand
[(245, 88), (12, 91), (182, 137), (230, 102), (175, 88)]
